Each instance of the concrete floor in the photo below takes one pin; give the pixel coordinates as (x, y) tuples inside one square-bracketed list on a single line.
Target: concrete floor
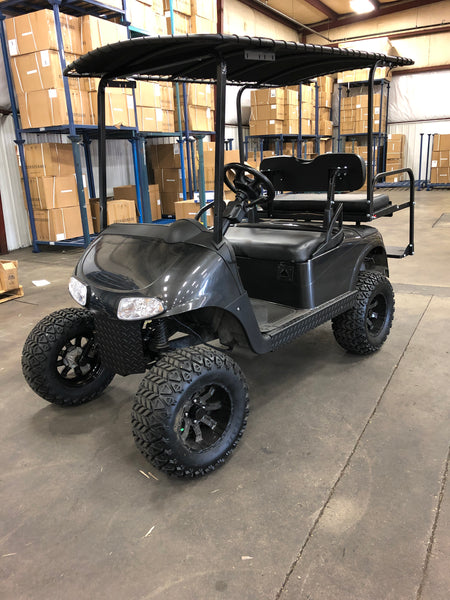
[(338, 489)]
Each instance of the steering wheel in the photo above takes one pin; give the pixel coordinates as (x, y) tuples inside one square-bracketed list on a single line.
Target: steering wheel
[(251, 187)]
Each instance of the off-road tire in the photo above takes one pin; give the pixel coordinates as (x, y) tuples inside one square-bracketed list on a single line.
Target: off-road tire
[(196, 383), (43, 359), (364, 328)]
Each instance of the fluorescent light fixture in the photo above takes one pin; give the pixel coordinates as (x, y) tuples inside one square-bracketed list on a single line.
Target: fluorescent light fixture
[(361, 6)]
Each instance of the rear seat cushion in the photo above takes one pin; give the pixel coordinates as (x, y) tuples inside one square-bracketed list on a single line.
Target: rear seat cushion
[(353, 204)]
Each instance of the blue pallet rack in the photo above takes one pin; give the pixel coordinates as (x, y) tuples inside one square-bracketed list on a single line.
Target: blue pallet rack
[(81, 136)]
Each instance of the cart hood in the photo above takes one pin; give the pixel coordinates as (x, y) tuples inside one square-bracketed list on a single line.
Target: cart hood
[(179, 263)]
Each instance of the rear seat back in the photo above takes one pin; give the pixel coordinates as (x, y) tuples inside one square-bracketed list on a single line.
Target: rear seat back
[(291, 174)]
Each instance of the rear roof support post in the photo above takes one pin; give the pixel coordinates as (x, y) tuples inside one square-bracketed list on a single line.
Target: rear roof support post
[(220, 145)]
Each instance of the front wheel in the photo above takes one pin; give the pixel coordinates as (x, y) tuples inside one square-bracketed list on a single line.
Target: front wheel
[(364, 328), (61, 361), (190, 411)]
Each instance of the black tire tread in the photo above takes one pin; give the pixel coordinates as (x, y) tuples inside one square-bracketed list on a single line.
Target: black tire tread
[(157, 395), (37, 347), (348, 328)]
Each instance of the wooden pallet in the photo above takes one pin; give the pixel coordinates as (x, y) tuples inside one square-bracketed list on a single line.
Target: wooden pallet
[(11, 294)]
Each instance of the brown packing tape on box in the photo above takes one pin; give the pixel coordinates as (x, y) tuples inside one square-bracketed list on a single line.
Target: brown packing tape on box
[(60, 224), (35, 31), (9, 278), (54, 192)]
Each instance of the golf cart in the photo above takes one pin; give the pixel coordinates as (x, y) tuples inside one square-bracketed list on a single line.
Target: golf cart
[(170, 301)]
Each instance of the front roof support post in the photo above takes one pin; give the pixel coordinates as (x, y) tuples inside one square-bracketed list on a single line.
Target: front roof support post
[(221, 79), (239, 121), (101, 117)]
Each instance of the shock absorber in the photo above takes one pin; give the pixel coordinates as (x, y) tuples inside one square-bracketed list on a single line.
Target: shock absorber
[(160, 333)]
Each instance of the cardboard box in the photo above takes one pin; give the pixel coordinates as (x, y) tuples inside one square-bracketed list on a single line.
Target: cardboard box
[(187, 209), (291, 126), (48, 108), (265, 112), (169, 180), (271, 127), (9, 278), (205, 9), (35, 31), (128, 192), (326, 84), (119, 107), (325, 100), (49, 159), (168, 200), (41, 71), (180, 6), (200, 118), (325, 127), (308, 111), (97, 32), (181, 24), (60, 224), (117, 211), (167, 96), (155, 119), (54, 192), (267, 96), (165, 156), (148, 93), (199, 94), (441, 142), (324, 114), (291, 112), (348, 127), (201, 25)]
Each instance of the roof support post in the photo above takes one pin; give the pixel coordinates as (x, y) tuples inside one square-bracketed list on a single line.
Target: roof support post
[(221, 79), (370, 170), (101, 116)]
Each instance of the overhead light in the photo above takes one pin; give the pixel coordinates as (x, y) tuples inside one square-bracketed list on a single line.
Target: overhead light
[(361, 6)]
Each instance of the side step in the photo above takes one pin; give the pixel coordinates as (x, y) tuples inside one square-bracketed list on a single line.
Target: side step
[(289, 328), (399, 252)]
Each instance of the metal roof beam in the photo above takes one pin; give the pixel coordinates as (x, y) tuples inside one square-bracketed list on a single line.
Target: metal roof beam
[(323, 8)]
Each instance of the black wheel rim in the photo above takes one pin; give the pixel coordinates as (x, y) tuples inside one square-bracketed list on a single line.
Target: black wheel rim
[(204, 418), (376, 314), (78, 361)]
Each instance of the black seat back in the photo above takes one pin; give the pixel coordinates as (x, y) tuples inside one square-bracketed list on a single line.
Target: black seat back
[(291, 174)]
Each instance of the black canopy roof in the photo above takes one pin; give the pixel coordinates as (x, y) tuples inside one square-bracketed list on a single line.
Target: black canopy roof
[(250, 60)]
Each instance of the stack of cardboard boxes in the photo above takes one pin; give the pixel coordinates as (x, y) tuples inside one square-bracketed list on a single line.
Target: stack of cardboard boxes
[(358, 75), (277, 110), (54, 194), (155, 106), (189, 16), (36, 67), (354, 113), (440, 159), (325, 85), (395, 156), (200, 107)]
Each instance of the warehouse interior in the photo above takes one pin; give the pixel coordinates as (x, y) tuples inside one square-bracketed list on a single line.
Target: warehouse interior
[(339, 485)]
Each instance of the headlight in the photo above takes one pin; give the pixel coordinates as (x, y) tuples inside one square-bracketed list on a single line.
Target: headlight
[(78, 291), (133, 309)]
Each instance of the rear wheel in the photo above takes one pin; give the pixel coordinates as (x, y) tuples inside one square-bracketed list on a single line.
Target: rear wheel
[(190, 411), (61, 361), (364, 328)]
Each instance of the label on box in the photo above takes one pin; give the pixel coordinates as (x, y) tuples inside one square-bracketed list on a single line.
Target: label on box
[(130, 103), (159, 114), (31, 72), (273, 93), (45, 58), (13, 47), (52, 93), (60, 236), (272, 122), (208, 113), (434, 163)]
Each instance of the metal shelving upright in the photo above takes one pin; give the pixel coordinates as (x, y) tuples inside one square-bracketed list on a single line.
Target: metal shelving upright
[(380, 136)]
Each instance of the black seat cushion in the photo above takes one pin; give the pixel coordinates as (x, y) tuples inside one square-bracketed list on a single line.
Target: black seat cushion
[(276, 241), (355, 206)]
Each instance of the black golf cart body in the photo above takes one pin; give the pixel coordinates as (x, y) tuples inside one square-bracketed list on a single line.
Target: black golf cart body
[(274, 265), (212, 276)]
